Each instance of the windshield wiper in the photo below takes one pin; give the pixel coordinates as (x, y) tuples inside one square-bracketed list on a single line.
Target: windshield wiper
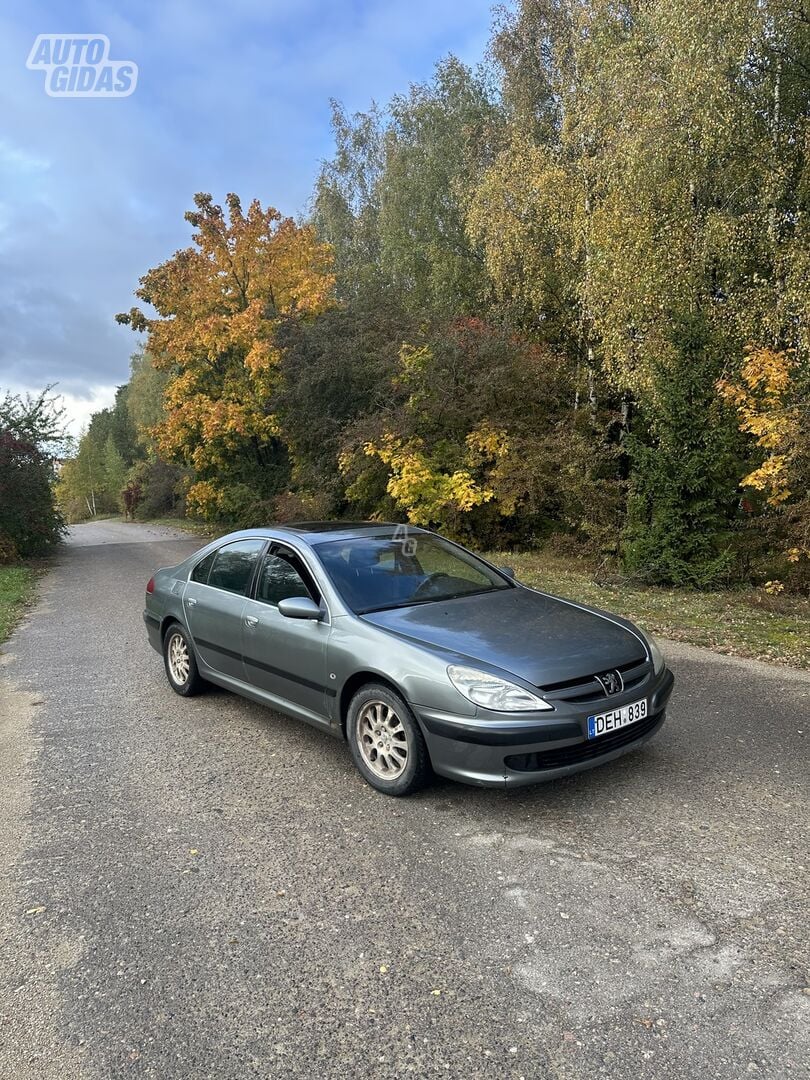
[(391, 607), (430, 600)]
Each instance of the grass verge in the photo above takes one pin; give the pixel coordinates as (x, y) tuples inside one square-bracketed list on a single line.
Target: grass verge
[(16, 590), (742, 622)]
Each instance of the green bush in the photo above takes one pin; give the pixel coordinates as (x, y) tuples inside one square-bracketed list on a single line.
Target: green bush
[(30, 524)]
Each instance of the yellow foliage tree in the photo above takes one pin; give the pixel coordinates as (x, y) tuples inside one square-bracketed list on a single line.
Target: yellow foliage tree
[(458, 444), (771, 407), (219, 305), (762, 401), (427, 491)]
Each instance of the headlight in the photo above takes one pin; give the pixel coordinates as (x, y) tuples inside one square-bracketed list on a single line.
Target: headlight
[(656, 655), (487, 690)]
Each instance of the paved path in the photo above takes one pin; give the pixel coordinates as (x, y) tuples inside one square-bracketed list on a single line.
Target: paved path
[(203, 890)]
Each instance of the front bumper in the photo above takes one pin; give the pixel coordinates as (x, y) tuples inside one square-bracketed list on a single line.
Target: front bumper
[(514, 751)]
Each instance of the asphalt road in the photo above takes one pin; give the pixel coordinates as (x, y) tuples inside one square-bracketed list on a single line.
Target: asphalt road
[(205, 890)]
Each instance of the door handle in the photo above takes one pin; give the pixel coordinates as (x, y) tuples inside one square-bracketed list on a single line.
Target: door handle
[(250, 620), (191, 602)]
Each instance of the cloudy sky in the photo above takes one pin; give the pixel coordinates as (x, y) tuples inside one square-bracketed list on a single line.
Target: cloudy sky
[(230, 97)]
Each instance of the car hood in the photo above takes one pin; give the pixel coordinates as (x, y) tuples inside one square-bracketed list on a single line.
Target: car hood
[(539, 638)]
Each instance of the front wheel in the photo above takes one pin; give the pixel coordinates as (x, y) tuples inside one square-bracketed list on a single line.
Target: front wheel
[(181, 665), (386, 744)]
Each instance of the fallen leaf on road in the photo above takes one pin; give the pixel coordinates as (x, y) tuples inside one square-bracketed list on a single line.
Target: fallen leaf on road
[(35, 910)]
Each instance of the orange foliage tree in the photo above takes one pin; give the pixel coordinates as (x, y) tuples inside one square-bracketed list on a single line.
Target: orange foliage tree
[(218, 306)]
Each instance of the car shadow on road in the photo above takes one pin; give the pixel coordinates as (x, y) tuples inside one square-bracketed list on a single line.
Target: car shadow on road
[(329, 758)]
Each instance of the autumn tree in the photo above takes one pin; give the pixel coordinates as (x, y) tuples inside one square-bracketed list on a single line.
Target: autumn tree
[(696, 235), (771, 397), (81, 488), (115, 471), (218, 306), (644, 215), (153, 486), (457, 444), (337, 371)]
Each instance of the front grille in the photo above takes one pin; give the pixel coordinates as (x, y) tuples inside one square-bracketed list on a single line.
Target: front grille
[(588, 688), (583, 751)]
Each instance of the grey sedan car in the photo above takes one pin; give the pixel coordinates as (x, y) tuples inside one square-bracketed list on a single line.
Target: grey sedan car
[(422, 655)]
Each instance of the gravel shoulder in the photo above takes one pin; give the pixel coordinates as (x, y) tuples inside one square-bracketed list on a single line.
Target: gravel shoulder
[(204, 889)]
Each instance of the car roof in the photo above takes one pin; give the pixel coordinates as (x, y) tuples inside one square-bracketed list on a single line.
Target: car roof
[(319, 532)]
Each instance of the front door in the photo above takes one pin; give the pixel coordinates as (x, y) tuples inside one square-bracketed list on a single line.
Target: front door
[(214, 598), (286, 658)]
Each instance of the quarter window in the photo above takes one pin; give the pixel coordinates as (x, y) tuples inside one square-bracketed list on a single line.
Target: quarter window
[(203, 568), (233, 565)]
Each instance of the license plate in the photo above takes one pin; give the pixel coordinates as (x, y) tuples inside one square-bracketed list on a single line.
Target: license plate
[(603, 723)]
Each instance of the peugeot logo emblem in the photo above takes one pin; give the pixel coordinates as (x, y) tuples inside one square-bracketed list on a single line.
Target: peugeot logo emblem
[(611, 682)]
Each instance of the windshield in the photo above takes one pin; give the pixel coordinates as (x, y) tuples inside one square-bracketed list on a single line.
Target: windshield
[(374, 573)]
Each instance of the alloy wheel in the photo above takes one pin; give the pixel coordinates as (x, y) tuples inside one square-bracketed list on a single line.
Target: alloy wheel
[(382, 740), (179, 660)]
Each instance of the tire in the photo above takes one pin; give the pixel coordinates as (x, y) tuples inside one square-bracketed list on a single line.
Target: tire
[(384, 738), (179, 660)]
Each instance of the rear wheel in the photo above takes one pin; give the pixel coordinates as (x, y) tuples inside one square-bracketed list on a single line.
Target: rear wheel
[(386, 744), (181, 665)]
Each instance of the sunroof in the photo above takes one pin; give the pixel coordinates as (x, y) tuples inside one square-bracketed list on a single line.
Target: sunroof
[(337, 526)]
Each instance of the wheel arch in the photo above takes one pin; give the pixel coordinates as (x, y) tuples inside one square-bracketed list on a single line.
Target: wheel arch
[(165, 623), (354, 682)]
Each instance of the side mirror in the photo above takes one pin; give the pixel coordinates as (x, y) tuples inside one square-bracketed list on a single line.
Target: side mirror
[(507, 571), (299, 607)]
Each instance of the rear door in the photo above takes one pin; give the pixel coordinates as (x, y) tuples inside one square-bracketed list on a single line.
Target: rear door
[(214, 599), (284, 657)]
